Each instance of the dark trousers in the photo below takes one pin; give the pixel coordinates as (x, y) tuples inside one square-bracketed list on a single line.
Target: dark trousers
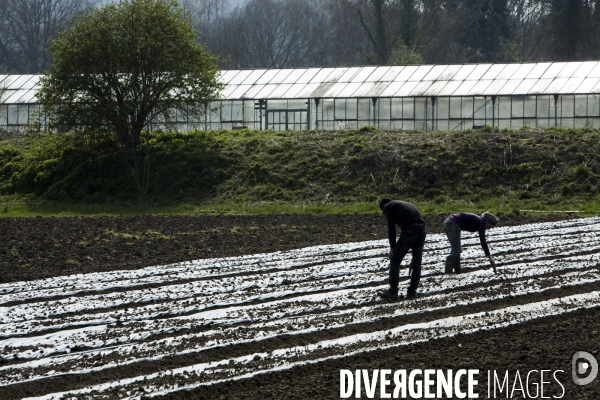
[(411, 238)]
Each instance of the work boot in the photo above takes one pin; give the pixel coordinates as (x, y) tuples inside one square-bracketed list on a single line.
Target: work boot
[(389, 294), (457, 268), (450, 264)]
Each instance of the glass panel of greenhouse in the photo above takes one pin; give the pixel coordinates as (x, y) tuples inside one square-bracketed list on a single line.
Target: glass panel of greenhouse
[(391, 74), (465, 72), (424, 97)]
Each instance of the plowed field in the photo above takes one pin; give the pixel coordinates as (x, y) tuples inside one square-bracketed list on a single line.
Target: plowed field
[(275, 307)]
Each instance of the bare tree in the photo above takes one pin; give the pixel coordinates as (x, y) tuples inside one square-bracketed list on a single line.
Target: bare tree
[(348, 41), (212, 19), (223, 38), (529, 23), (271, 34), (26, 28), (8, 51), (377, 31), (203, 13), (381, 31)]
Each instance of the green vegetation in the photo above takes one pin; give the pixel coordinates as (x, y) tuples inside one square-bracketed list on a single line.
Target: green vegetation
[(306, 172), (108, 75)]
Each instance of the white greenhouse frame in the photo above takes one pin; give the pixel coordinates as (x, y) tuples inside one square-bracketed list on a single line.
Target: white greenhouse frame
[(425, 97)]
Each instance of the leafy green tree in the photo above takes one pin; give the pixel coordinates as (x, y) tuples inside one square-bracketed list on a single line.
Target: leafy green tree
[(124, 66), (403, 55)]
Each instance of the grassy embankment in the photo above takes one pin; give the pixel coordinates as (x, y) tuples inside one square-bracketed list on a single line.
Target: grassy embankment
[(307, 172)]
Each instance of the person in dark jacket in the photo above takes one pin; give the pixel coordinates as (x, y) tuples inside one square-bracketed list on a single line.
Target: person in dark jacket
[(469, 222), (412, 237)]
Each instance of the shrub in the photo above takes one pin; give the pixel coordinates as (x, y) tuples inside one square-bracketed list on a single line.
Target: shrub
[(368, 129), (581, 171)]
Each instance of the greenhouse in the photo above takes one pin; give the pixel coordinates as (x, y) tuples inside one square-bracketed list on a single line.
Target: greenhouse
[(423, 97)]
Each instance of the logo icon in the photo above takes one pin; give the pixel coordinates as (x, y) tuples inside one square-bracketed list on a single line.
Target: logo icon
[(580, 367)]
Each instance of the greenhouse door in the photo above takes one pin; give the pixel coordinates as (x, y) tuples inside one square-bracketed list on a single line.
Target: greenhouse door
[(283, 120)]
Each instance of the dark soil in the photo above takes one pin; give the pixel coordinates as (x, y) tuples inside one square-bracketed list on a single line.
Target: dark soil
[(33, 248), (546, 344), (42, 247)]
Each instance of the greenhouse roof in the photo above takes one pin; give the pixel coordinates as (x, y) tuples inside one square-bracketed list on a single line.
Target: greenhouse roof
[(18, 89), (386, 81)]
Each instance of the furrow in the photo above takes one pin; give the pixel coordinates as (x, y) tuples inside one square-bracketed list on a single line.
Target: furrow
[(207, 268), (163, 382)]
